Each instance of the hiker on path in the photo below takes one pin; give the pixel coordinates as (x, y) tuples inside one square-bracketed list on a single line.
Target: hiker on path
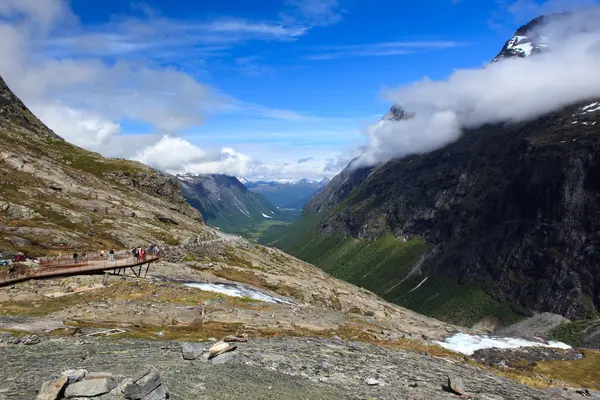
[(74, 258), (112, 255), (84, 257)]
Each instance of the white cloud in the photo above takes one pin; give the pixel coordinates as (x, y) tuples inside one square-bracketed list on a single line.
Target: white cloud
[(58, 68), (515, 89), (178, 156), (85, 129)]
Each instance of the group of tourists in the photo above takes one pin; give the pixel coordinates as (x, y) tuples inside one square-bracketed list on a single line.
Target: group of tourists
[(140, 254), (110, 253)]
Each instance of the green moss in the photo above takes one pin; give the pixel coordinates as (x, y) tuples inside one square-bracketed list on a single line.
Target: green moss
[(190, 257), (465, 305), (570, 333)]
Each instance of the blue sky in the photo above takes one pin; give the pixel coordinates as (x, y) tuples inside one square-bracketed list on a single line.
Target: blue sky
[(241, 87)]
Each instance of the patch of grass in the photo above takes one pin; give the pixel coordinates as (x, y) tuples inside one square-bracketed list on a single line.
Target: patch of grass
[(570, 333), (190, 257), (248, 300), (465, 305), (383, 266), (578, 373), (117, 291)]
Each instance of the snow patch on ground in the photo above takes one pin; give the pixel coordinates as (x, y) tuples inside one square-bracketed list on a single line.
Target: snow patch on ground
[(237, 290), (591, 108), (468, 344), (266, 216), (419, 285)]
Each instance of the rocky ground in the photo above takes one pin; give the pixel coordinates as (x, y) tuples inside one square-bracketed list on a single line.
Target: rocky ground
[(321, 304), (276, 368)]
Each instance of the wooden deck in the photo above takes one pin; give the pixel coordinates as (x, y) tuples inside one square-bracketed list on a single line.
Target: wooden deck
[(53, 268)]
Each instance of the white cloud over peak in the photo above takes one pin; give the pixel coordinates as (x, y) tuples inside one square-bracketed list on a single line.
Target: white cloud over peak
[(515, 89)]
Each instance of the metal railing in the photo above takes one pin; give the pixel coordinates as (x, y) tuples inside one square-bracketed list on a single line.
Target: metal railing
[(20, 272)]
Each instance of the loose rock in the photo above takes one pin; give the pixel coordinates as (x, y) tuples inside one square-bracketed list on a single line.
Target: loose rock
[(90, 388), (191, 351), (372, 382), (456, 385), (51, 390), (74, 375), (239, 339), (144, 386), (29, 340), (220, 348)]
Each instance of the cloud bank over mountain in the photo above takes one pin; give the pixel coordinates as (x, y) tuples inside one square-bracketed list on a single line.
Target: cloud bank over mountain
[(512, 89)]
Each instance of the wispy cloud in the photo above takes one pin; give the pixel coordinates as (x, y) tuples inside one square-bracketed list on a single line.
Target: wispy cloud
[(303, 160), (253, 66), (313, 12), (381, 49), (157, 35)]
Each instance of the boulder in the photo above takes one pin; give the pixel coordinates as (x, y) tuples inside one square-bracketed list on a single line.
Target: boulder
[(191, 351), (456, 385), (231, 338), (74, 375), (223, 358), (90, 388), (146, 385), (51, 390), (32, 339), (372, 382), (220, 348)]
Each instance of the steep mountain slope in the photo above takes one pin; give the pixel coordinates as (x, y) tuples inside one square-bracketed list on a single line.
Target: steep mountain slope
[(502, 221), (57, 196), (224, 201), (285, 194)]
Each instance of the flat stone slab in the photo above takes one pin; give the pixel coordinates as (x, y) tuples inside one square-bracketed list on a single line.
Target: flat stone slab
[(90, 388)]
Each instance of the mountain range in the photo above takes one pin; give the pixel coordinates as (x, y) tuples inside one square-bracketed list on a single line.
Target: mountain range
[(502, 222), (285, 193), (224, 201)]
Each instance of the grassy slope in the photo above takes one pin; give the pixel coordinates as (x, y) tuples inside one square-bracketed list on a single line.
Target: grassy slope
[(88, 167), (381, 265)]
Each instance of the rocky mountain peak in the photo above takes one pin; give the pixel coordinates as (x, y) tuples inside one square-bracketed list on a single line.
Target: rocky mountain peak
[(13, 110), (397, 113), (534, 37)]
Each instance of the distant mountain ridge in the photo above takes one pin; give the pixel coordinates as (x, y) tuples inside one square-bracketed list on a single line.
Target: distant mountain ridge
[(287, 193), (224, 201)]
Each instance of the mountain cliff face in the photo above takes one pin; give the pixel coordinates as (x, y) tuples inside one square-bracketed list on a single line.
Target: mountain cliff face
[(505, 218), (224, 201), (56, 196)]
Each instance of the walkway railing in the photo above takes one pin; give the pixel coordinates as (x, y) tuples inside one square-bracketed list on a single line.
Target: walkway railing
[(22, 272)]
